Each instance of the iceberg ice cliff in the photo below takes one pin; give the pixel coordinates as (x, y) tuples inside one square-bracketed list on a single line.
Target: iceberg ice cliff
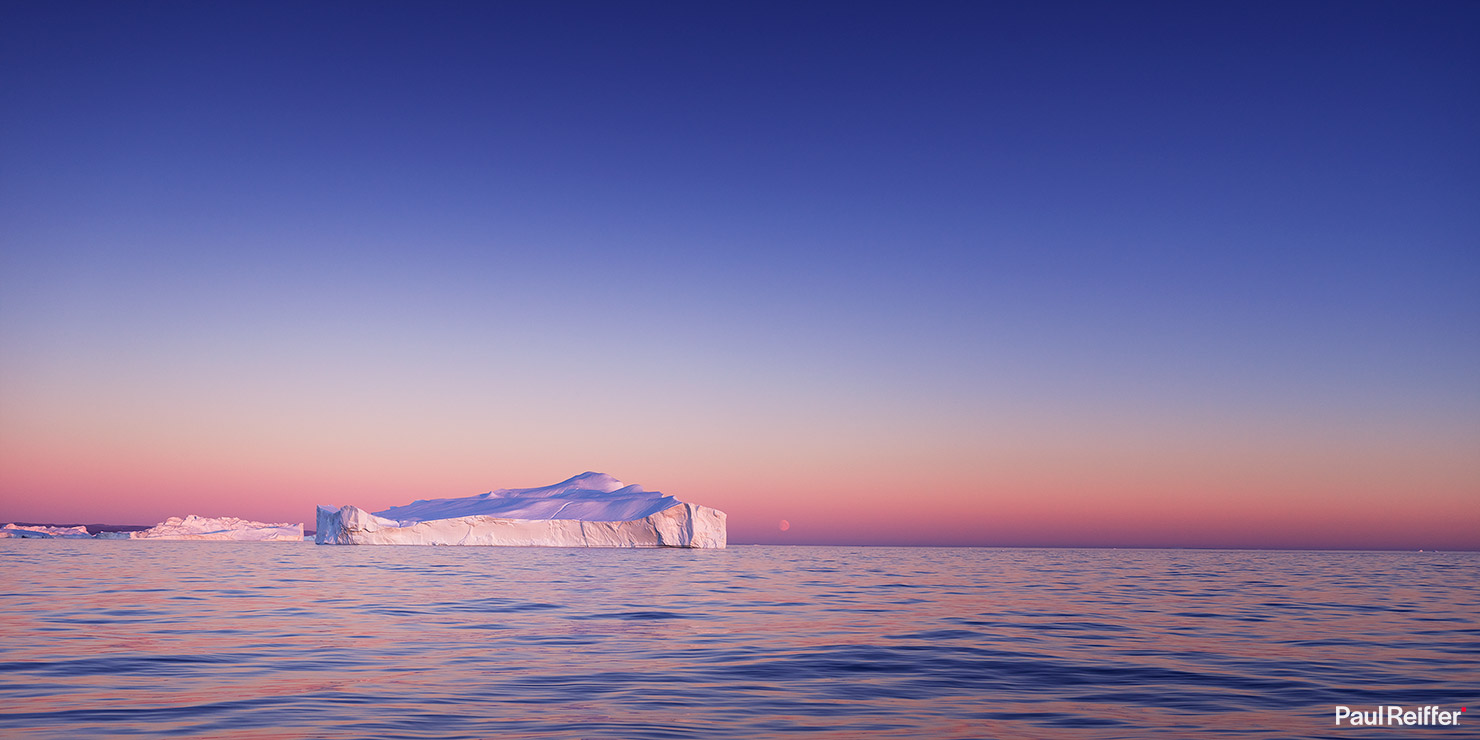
[(589, 510), (225, 528)]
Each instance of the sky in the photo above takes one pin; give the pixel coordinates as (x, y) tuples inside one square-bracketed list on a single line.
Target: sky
[(1016, 274)]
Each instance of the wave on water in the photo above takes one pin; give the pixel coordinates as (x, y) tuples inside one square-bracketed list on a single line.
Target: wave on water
[(244, 640)]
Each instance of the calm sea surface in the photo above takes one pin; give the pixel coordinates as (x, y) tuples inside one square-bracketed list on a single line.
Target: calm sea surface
[(260, 640)]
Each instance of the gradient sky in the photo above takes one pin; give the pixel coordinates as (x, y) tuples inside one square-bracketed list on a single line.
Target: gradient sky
[(1169, 274)]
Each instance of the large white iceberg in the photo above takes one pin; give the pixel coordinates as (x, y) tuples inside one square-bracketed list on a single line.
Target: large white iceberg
[(589, 510), (40, 532), (224, 528)]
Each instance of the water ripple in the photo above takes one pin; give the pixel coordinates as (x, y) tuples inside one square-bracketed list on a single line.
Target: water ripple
[(126, 639)]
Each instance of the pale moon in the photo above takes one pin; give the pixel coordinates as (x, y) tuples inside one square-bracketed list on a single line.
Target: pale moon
[(784, 525)]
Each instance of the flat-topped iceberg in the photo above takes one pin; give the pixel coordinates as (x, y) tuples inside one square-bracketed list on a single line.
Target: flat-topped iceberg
[(224, 528), (41, 532), (589, 510)]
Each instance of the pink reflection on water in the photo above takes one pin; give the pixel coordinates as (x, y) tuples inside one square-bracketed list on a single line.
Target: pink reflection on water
[(247, 640)]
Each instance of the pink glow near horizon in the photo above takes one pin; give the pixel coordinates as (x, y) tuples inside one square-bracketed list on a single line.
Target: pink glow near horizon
[(846, 488)]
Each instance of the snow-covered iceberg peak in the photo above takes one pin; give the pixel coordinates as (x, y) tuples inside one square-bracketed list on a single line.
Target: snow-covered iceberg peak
[(588, 510), (594, 497)]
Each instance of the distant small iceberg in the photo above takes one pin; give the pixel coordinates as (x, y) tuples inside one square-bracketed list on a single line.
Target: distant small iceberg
[(589, 510), (195, 527), (40, 532)]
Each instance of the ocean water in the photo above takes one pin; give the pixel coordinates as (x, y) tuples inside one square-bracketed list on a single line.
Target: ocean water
[(261, 640)]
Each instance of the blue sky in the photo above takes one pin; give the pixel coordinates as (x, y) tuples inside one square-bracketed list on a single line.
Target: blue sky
[(881, 227)]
